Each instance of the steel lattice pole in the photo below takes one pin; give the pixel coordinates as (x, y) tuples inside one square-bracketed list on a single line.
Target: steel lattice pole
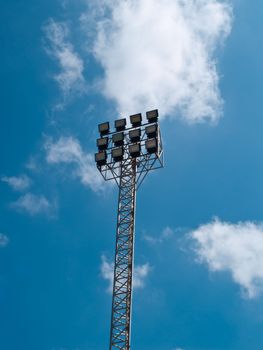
[(122, 283), (127, 155)]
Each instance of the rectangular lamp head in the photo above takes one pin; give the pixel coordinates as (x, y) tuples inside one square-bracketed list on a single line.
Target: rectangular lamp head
[(117, 154), (104, 128), (101, 158), (136, 119), (151, 145), (102, 143), (135, 135), (152, 116), (135, 150), (151, 131), (120, 124), (118, 139)]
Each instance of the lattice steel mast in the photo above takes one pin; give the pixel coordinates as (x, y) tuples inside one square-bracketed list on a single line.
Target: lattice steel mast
[(126, 156), (122, 283)]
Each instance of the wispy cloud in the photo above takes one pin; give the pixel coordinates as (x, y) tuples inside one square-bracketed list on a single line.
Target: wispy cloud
[(236, 248), (173, 65), (4, 240), (106, 270), (32, 164), (17, 183), (34, 205), (166, 233), (140, 273), (68, 150), (70, 79)]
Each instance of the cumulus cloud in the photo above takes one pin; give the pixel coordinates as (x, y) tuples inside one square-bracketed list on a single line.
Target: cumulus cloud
[(162, 54), (18, 183), (71, 65), (236, 248), (140, 273), (4, 240), (166, 233), (34, 205), (68, 150)]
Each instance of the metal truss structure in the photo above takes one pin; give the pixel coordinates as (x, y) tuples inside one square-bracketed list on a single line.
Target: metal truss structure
[(145, 163), (128, 174)]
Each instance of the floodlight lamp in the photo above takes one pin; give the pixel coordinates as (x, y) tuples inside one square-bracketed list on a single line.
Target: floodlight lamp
[(152, 116), (151, 131), (117, 154), (102, 143), (135, 135), (151, 145), (104, 128), (136, 119), (135, 150), (101, 158), (118, 139), (120, 124)]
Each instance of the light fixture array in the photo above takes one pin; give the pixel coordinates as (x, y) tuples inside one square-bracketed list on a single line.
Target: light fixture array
[(135, 141)]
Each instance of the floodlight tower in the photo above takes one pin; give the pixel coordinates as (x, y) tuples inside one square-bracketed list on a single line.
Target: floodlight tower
[(126, 155)]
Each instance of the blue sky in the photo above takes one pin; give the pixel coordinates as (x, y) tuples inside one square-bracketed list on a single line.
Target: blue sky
[(67, 66)]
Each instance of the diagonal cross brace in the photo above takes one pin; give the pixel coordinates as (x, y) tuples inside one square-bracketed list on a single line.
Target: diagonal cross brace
[(122, 283)]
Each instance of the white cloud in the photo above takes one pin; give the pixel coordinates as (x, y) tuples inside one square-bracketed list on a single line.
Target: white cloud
[(4, 240), (140, 273), (71, 65), (236, 248), (32, 164), (106, 270), (34, 204), (162, 54), (68, 150), (18, 183), (166, 233)]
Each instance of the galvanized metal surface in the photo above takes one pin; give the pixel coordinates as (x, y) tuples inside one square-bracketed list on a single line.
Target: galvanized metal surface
[(123, 267), (128, 174)]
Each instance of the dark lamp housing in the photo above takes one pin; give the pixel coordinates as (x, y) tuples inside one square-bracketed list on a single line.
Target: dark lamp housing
[(151, 145), (152, 116), (118, 139), (151, 131), (102, 143), (135, 135), (120, 124), (117, 154), (135, 150), (101, 158), (136, 119), (104, 128)]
